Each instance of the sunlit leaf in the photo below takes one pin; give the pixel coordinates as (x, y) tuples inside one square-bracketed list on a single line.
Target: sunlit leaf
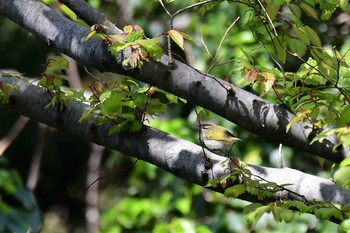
[(128, 29), (342, 176), (300, 116), (268, 82), (177, 38)]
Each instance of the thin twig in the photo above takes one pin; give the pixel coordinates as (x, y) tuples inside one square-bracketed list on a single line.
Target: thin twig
[(6, 141), (191, 6), (222, 40), (280, 156), (164, 7), (268, 17), (34, 170), (207, 162), (206, 48), (111, 174), (171, 24)]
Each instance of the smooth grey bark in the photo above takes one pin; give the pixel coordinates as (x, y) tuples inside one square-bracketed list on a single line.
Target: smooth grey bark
[(243, 108), (177, 156), (90, 15)]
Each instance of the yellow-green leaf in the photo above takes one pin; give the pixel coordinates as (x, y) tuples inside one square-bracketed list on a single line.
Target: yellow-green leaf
[(177, 38), (91, 34)]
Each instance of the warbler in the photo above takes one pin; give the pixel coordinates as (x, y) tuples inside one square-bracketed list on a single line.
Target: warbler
[(218, 138)]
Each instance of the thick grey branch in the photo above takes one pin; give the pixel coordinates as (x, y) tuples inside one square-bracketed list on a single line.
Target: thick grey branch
[(175, 155), (243, 108), (85, 12)]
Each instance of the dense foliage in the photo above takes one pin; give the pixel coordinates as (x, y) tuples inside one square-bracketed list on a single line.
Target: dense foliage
[(292, 53)]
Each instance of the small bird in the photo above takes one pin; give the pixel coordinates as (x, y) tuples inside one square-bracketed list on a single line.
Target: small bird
[(216, 137)]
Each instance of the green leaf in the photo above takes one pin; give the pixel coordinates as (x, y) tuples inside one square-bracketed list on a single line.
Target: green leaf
[(342, 177), (117, 128), (112, 106), (344, 226), (250, 59), (188, 37), (281, 53), (68, 12), (135, 126), (301, 34), (345, 162), (344, 117), (300, 116), (255, 215), (149, 42), (115, 48), (156, 106), (56, 66), (177, 38), (135, 36), (105, 95), (268, 82), (272, 9), (297, 46), (251, 207), (183, 205), (89, 35), (86, 115), (154, 53), (313, 36), (235, 191), (296, 204), (295, 9), (282, 214), (18, 207), (309, 10), (294, 18), (327, 213), (152, 48)]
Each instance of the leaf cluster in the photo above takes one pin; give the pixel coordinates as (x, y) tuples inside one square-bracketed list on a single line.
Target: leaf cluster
[(133, 38), (53, 81), (19, 210), (124, 103), (319, 90), (241, 181)]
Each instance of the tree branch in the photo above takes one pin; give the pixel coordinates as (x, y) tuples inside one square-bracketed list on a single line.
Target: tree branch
[(91, 16), (243, 108), (175, 155)]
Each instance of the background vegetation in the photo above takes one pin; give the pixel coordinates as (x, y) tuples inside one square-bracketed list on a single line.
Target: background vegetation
[(139, 197)]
